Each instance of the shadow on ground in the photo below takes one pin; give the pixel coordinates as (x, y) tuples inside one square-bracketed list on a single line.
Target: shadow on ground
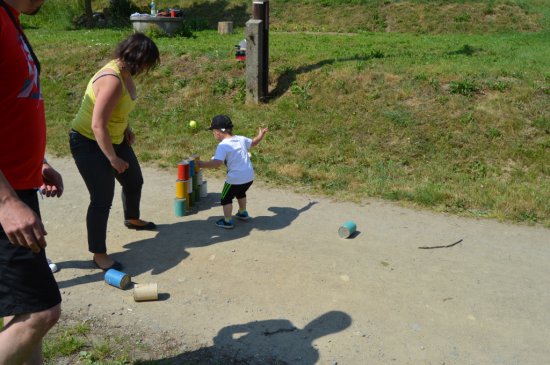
[(269, 342), (169, 247), (287, 78)]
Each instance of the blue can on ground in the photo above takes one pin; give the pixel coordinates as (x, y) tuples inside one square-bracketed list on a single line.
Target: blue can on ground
[(117, 278), (347, 229)]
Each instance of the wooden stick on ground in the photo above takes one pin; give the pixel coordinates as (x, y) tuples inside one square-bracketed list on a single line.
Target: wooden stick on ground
[(430, 247)]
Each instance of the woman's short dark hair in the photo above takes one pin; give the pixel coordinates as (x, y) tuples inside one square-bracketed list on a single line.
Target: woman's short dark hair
[(138, 53)]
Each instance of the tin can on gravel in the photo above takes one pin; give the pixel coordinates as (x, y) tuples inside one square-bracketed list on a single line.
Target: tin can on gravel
[(347, 229), (117, 278), (143, 292)]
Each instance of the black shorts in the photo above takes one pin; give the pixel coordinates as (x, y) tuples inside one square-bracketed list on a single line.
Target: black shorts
[(231, 191), (27, 284)]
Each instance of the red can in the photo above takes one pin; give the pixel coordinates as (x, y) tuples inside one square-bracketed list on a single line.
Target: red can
[(183, 170)]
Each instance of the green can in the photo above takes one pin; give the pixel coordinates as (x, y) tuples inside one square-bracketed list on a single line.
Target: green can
[(179, 207), (347, 229)]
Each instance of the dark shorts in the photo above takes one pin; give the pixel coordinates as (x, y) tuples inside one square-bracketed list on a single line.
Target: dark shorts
[(27, 284), (231, 191)]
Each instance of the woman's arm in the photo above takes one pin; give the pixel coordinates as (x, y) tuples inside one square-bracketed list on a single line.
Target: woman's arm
[(108, 91)]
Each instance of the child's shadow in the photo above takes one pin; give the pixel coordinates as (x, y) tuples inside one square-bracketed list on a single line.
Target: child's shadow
[(169, 247), (275, 341)]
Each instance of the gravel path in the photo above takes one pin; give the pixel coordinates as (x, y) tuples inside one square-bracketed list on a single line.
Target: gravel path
[(285, 286)]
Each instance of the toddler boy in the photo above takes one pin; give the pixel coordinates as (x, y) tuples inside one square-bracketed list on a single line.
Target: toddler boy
[(233, 151)]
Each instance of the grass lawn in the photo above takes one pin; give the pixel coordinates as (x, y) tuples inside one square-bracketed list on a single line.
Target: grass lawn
[(455, 122)]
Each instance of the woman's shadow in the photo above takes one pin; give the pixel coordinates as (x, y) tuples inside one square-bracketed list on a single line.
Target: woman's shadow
[(169, 247), (275, 341)]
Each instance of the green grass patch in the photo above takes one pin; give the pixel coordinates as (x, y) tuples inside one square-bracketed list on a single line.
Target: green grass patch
[(451, 121), (386, 115)]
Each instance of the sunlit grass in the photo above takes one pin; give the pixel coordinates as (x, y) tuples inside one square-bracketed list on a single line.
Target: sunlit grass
[(440, 121), (453, 121)]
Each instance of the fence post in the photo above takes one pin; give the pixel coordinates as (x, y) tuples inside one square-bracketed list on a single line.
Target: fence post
[(260, 11), (254, 62)]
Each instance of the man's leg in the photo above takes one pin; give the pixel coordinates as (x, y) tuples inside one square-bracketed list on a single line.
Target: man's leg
[(21, 337), (36, 358), (27, 286)]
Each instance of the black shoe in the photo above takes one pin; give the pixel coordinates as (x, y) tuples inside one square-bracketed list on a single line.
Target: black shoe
[(116, 265), (146, 227)]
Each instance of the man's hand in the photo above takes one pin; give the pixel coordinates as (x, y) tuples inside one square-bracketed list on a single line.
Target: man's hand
[(53, 182), (22, 225)]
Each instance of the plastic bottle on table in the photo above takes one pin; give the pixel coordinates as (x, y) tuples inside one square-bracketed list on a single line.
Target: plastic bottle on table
[(153, 8)]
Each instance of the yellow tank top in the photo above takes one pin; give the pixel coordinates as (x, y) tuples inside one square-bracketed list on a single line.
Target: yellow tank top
[(118, 122)]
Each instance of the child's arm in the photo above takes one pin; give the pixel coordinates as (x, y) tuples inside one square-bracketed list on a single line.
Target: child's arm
[(259, 137), (210, 164)]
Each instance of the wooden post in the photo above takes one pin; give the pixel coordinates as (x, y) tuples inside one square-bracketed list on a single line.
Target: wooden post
[(225, 27), (260, 11), (254, 62)]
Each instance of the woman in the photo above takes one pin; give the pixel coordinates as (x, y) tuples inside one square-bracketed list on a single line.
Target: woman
[(101, 140)]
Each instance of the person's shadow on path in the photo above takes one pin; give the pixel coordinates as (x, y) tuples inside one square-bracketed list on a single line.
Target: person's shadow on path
[(275, 341), (169, 247)]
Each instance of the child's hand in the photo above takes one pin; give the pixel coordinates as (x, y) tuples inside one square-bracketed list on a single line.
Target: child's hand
[(260, 136), (262, 131)]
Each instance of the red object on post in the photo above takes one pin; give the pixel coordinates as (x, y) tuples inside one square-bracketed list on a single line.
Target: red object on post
[(172, 13)]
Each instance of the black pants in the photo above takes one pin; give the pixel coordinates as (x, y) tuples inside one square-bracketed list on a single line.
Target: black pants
[(27, 284), (99, 176), (231, 191)]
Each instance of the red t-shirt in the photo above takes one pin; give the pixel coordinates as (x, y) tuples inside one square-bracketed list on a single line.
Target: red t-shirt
[(22, 119)]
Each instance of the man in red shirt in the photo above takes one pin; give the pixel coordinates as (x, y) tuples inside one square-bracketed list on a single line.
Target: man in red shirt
[(30, 301)]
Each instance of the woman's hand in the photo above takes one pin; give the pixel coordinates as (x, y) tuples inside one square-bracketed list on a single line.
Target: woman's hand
[(119, 164), (129, 136)]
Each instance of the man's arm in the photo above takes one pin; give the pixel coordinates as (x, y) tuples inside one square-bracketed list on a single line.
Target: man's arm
[(22, 226)]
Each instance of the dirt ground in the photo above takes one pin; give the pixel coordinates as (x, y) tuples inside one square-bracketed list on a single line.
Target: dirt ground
[(285, 286)]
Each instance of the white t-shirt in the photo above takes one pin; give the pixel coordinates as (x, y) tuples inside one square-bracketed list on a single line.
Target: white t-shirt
[(234, 151)]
